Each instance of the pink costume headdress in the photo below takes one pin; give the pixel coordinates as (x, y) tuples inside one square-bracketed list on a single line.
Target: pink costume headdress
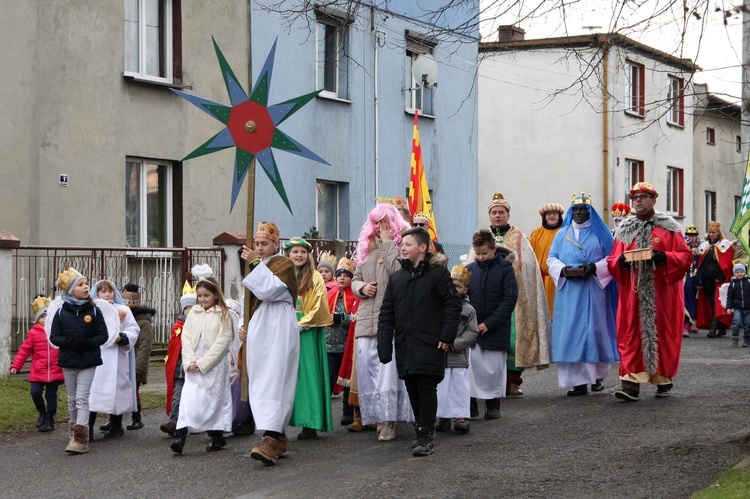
[(381, 211)]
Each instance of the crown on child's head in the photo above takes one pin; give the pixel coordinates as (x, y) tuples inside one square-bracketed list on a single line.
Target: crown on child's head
[(620, 210), (691, 230), (189, 296), (347, 265), (581, 198), (460, 273), (269, 230), (67, 279), (40, 306)]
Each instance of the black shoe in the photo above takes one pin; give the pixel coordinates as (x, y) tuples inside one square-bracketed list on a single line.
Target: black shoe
[(721, 332), (42, 418), (49, 423), (578, 390), (115, 427), (136, 424), (106, 426), (663, 391), (246, 428), (627, 394), (473, 409), (179, 441), (424, 443), (711, 334), (598, 386), (217, 441), (493, 409)]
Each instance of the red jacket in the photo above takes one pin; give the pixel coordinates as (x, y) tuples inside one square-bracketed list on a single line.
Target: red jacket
[(44, 368), (174, 354)]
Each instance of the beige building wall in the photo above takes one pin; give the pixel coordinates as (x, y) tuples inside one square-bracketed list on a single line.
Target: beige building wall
[(72, 111)]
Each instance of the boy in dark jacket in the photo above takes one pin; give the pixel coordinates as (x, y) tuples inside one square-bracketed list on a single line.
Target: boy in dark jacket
[(493, 291), (420, 314), (145, 317), (738, 302)]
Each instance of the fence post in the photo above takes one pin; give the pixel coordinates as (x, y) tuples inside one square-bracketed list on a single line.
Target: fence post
[(8, 242), (232, 243)]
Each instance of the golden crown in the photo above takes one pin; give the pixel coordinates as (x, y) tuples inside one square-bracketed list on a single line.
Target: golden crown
[(691, 230), (421, 214), (40, 303), (66, 278), (327, 257), (461, 273), (581, 198), (498, 200), (187, 289), (620, 210), (269, 230), (346, 264), (714, 225)]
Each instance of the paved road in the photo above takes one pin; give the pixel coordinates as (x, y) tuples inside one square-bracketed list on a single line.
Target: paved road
[(545, 445)]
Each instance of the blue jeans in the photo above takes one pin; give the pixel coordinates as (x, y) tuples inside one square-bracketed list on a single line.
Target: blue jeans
[(741, 319)]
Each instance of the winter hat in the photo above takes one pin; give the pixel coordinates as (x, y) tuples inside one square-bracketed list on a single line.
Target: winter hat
[(40, 306), (68, 279), (738, 267), (328, 261), (131, 296), (189, 296)]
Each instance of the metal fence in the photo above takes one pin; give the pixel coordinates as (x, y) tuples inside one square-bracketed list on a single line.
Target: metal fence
[(160, 273)]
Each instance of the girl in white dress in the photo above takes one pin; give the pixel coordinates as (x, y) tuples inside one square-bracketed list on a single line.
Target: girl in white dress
[(206, 403)]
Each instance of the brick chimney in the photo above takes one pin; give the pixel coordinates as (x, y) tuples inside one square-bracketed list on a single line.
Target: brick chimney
[(510, 33)]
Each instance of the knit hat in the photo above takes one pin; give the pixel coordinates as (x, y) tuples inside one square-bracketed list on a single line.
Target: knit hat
[(328, 261), (346, 266), (738, 267), (68, 279), (40, 306), (189, 296), (131, 296)]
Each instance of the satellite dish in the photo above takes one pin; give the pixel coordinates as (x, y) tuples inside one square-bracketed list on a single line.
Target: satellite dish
[(424, 69)]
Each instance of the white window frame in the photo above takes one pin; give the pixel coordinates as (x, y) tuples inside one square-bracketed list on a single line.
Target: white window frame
[(710, 200), (341, 84), (166, 52), (639, 108), (675, 195), (676, 101), (143, 200), (629, 182), (416, 94)]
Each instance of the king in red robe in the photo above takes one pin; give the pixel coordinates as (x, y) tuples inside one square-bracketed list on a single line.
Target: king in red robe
[(714, 269), (650, 296)]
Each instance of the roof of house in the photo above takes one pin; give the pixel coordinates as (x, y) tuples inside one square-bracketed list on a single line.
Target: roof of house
[(595, 40)]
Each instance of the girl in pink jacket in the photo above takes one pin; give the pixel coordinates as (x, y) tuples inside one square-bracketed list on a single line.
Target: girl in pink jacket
[(45, 374)]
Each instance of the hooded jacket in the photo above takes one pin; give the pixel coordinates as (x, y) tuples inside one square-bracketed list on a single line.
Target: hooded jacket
[(79, 331), (44, 368)]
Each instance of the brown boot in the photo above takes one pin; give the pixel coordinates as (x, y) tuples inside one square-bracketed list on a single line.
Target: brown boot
[(71, 425), (283, 446), (80, 443), (267, 450), (357, 425)]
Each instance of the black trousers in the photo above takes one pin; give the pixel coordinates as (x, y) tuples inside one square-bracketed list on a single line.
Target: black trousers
[(422, 389), (50, 394)]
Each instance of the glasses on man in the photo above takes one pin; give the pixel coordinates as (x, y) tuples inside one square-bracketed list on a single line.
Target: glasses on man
[(641, 196), (419, 224)]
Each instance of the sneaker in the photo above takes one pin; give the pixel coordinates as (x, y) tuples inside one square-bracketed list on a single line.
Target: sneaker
[(627, 394), (169, 428), (461, 426), (663, 391), (578, 390), (266, 451), (216, 444), (492, 414), (387, 431), (443, 425), (283, 446), (424, 446)]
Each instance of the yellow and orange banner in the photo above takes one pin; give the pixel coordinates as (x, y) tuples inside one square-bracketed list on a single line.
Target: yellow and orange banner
[(419, 193)]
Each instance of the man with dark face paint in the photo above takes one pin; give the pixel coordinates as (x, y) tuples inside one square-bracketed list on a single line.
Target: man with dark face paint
[(584, 340)]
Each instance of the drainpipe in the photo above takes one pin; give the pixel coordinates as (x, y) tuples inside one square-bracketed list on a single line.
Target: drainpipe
[(378, 35), (605, 128)]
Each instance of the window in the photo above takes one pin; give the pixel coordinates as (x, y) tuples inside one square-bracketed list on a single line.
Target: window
[(710, 207), (737, 205), (332, 67), (738, 143), (149, 39), (675, 187), (418, 97), (332, 216), (634, 173), (635, 94), (710, 136), (149, 203), (676, 100)]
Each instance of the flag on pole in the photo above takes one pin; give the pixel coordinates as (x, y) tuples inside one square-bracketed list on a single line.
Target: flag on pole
[(419, 193), (739, 226)]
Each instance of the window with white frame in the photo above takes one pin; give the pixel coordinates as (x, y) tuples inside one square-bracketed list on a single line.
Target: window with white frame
[(634, 173), (148, 203), (148, 40), (675, 187), (635, 94), (327, 215), (331, 61), (676, 101), (418, 97), (710, 207)]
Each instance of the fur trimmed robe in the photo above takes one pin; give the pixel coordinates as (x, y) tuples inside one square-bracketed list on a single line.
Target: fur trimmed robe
[(650, 298)]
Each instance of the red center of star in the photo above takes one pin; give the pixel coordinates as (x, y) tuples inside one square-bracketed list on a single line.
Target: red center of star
[(264, 128)]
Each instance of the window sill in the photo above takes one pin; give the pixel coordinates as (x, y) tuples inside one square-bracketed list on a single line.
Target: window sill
[(675, 125), (332, 97), (674, 214), (146, 81), (710, 143), (412, 111), (635, 114), (146, 254)]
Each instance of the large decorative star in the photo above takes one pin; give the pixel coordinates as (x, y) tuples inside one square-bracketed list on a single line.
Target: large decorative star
[(251, 126)]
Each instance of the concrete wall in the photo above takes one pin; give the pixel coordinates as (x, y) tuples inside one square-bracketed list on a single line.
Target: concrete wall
[(541, 131)]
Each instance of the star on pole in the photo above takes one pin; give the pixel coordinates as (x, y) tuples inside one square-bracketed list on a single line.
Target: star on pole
[(251, 126)]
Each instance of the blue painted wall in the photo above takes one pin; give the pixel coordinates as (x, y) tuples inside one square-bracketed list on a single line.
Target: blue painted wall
[(343, 133)]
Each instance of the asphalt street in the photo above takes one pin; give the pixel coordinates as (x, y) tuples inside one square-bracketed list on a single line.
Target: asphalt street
[(545, 445)]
